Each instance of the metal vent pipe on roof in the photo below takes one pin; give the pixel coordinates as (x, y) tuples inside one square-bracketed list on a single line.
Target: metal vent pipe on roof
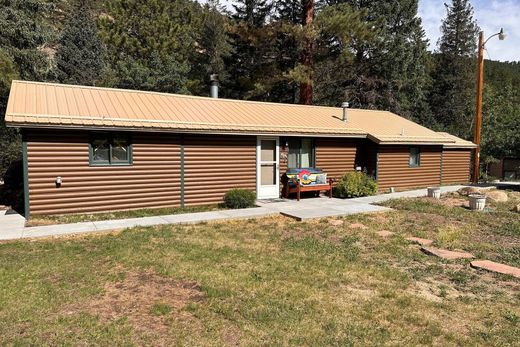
[(344, 106), (213, 90)]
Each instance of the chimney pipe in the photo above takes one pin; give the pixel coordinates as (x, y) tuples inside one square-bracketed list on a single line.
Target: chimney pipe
[(344, 106), (213, 91)]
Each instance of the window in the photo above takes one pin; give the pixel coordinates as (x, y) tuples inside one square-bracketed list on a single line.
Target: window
[(301, 153), (110, 149), (415, 157)]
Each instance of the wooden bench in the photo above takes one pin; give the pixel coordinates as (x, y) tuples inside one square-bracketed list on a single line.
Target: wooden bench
[(298, 188)]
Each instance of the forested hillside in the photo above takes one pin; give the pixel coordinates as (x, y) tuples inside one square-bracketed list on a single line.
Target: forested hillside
[(370, 53)]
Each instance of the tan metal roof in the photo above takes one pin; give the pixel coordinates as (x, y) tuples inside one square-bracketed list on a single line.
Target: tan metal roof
[(458, 142), (57, 105)]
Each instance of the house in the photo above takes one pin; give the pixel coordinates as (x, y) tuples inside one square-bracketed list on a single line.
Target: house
[(507, 169), (90, 149)]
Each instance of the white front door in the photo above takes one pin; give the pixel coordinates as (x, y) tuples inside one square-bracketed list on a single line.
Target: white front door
[(267, 167)]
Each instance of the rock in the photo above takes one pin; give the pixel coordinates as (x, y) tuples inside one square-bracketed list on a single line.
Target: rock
[(516, 208), (445, 254), (335, 222), (385, 233), (496, 267), (419, 241), (358, 226), (469, 190), (497, 196)]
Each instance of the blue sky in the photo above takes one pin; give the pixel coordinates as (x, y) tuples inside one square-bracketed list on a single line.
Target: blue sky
[(491, 16)]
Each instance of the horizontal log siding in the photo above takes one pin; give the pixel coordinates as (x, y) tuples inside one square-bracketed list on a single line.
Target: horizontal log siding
[(336, 156), (394, 169), (456, 166), (215, 164), (152, 181)]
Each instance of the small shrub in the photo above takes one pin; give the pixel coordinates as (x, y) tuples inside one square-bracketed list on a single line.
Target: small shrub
[(239, 198), (355, 184)]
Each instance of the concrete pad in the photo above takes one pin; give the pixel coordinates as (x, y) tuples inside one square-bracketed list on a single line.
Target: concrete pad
[(445, 254), (311, 213), (11, 226), (129, 223), (248, 212), (419, 241), (491, 266), (194, 217), (58, 229), (385, 233)]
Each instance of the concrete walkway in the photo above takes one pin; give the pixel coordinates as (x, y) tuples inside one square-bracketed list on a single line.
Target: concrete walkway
[(12, 226)]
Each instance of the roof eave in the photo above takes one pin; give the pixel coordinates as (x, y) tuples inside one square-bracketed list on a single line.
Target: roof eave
[(184, 131)]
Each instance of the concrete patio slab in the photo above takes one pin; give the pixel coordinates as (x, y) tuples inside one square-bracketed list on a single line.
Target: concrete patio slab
[(248, 212), (310, 213), (445, 254), (11, 226), (491, 266)]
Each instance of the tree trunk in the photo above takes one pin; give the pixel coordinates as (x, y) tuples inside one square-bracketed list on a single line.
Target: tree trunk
[(308, 53)]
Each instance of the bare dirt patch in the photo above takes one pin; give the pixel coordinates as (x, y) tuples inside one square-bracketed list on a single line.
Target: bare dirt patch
[(148, 300)]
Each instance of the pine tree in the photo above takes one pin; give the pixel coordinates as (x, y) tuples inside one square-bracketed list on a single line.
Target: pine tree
[(453, 89), (151, 42), (24, 31), (213, 48), (251, 66), (24, 34), (308, 52), (386, 61), (80, 54)]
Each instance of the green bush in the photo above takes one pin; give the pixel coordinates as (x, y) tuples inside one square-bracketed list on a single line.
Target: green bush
[(239, 198), (355, 184)]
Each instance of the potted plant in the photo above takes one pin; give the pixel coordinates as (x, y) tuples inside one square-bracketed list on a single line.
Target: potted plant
[(477, 202), (434, 192)]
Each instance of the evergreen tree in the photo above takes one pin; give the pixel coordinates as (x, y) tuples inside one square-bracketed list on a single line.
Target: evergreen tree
[(151, 42), (454, 73), (386, 61), (24, 31), (24, 34), (252, 65), (79, 58), (214, 46)]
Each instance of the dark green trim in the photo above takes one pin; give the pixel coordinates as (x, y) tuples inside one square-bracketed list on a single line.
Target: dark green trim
[(182, 171), (25, 177), (377, 165), (109, 136)]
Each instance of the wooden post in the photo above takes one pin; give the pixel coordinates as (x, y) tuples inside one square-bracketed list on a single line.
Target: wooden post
[(478, 112)]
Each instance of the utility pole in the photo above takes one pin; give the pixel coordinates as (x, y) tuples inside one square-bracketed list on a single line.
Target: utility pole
[(478, 113), (480, 87)]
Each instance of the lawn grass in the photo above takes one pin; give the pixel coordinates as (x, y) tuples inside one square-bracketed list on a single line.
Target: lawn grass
[(270, 282), (37, 220)]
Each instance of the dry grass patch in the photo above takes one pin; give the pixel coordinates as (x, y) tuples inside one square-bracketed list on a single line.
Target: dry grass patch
[(147, 300)]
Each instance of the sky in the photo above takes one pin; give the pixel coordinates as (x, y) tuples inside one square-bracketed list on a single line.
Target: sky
[(491, 15)]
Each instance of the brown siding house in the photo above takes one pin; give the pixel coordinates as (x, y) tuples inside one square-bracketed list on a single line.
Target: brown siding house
[(455, 163), (394, 168), (89, 149)]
